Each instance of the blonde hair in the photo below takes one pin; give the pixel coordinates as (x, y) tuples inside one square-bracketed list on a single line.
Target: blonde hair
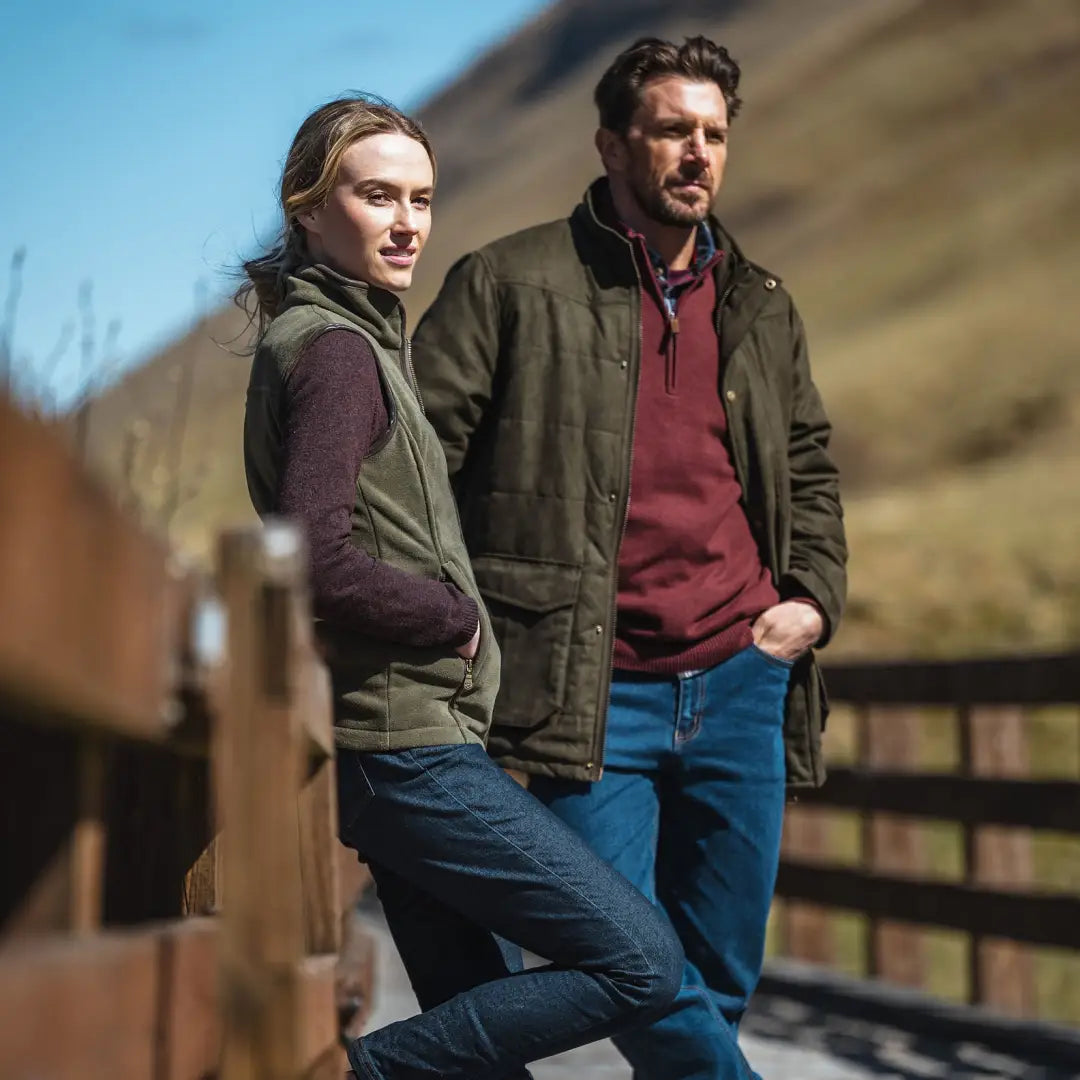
[(310, 173)]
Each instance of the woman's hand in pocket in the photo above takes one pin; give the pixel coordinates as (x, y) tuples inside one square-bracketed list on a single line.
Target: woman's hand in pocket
[(469, 649)]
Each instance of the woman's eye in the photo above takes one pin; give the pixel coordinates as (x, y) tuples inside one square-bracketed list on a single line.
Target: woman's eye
[(378, 197), (422, 201)]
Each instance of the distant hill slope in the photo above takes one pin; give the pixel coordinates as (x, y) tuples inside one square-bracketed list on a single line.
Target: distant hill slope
[(911, 168)]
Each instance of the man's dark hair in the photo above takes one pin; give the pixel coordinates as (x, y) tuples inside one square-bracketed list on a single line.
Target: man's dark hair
[(698, 59)]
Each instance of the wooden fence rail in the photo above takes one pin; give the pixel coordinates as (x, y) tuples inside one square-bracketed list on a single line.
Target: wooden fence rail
[(165, 755), (170, 895), (996, 806)]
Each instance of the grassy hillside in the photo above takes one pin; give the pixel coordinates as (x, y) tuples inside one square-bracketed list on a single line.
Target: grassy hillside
[(911, 168)]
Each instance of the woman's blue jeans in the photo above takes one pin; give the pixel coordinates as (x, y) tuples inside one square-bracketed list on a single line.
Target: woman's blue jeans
[(460, 853)]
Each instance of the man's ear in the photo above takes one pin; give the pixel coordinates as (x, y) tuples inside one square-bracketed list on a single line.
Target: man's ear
[(612, 150)]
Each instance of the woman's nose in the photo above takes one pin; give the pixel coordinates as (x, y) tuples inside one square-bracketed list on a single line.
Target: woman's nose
[(405, 221)]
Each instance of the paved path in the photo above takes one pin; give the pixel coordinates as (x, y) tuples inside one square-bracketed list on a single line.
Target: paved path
[(783, 1040)]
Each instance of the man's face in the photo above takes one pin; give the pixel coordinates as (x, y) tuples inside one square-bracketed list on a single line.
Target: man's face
[(675, 150)]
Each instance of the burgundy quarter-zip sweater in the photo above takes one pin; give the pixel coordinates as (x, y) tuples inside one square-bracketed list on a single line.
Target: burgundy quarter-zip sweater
[(691, 579)]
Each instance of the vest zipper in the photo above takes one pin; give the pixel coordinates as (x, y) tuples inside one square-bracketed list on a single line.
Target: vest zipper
[(466, 683), (411, 375)]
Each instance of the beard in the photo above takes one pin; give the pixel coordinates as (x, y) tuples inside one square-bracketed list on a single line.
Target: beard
[(665, 208)]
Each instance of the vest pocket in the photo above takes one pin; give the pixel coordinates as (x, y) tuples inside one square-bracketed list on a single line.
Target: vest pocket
[(531, 606)]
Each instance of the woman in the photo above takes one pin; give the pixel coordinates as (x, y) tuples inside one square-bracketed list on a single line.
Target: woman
[(335, 435)]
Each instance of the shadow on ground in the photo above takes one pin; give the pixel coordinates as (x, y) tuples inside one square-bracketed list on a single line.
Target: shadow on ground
[(865, 1049)]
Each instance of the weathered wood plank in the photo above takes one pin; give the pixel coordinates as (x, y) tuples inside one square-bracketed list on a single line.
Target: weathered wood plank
[(1008, 680), (807, 928), (1003, 974), (319, 860), (265, 749), (88, 630), (1037, 918), (890, 738), (1036, 804), (116, 1005)]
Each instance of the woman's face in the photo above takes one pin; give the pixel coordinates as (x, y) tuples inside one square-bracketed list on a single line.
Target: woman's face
[(378, 215)]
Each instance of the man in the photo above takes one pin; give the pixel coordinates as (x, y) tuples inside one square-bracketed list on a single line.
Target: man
[(640, 459)]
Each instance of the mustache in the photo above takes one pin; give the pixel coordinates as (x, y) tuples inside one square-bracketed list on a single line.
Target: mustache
[(703, 178)]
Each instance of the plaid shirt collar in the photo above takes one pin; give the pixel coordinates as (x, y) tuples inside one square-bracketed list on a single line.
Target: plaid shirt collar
[(704, 250)]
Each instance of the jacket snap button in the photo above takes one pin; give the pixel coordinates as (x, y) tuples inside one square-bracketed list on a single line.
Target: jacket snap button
[(612, 497), (624, 364), (598, 628), (770, 283), (730, 395)]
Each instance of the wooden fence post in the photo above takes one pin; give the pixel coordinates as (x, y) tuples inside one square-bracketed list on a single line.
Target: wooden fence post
[(806, 928), (889, 738), (263, 745), (993, 742)]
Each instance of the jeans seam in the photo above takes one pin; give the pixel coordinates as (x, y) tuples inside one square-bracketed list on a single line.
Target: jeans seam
[(532, 858), (361, 1063), (721, 1023)]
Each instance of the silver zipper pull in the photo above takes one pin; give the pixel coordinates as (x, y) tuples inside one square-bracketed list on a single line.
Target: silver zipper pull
[(467, 684)]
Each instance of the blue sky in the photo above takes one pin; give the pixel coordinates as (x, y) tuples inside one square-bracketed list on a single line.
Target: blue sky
[(142, 141)]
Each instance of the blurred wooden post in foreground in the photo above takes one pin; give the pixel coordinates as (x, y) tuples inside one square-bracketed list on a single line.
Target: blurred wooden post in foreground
[(278, 1001), (139, 715)]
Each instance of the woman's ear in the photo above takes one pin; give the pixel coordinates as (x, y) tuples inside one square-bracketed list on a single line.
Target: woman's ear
[(309, 219)]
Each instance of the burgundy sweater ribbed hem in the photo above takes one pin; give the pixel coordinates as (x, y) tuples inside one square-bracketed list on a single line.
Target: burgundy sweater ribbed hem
[(704, 654)]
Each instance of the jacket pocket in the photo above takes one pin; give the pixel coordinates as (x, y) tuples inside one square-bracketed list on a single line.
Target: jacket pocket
[(531, 606), (803, 724)]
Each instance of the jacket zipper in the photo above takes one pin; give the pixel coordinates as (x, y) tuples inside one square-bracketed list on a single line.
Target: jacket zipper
[(740, 471), (596, 764), (739, 474)]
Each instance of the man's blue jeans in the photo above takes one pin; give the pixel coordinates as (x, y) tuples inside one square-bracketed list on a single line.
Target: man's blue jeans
[(460, 853), (690, 809)]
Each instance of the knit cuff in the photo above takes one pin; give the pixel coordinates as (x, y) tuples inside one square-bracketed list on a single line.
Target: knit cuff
[(464, 618)]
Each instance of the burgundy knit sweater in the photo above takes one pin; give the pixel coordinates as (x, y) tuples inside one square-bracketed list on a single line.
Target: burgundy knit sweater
[(691, 580), (334, 412)]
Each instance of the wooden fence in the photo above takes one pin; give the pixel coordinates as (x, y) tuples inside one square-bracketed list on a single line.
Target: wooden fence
[(990, 797), (170, 896), (144, 711)]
